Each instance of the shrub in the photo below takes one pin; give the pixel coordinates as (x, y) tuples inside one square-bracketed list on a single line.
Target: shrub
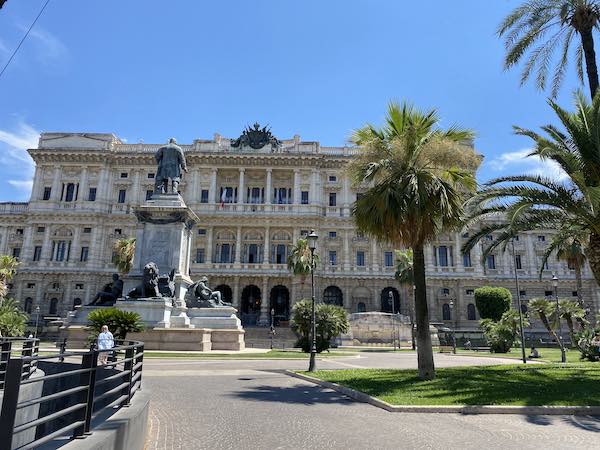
[(332, 321), (119, 322), (587, 344), (501, 335), (12, 318), (492, 302)]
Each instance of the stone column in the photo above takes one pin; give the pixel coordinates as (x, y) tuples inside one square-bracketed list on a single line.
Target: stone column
[(314, 195), (531, 255), (27, 250), (346, 195), (47, 245), (236, 302), (39, 297), (56, 184), (96, 243), (238, 246), (209, 245), (103, 190), (38, 182), (457, 254), (375, 255), (267, 246), (83, 186), (3, 240), (135, 188), (193, 193), (241, 187), (75, 248), (264, 303), (67, 300), (346, 250), (212, 189), (269, 187), (88, 292), (297, 182)]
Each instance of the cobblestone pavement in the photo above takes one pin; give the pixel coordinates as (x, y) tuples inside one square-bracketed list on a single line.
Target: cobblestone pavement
[(251, 405)]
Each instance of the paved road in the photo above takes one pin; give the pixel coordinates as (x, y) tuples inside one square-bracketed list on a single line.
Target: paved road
[(252, 405)]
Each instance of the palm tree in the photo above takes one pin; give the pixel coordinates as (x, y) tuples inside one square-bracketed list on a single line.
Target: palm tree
[(418, 175), (8, 269), (572, 312), (299, 260), (405, 276), (545, 311), (568, 246), (535, 30), (124, 253), (529, 202)]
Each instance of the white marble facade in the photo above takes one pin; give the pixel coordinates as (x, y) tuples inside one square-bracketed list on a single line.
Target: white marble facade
[(252, 205)]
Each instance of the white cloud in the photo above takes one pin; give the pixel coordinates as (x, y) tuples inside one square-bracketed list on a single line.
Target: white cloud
[(51, 47), (518, 163), (22, 185)]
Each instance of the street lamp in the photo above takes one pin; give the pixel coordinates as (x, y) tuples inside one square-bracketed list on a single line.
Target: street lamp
[(412, 319), (454, 327), (512, 241), (563, 356), (312, 245), (37, 318), (272, 331), (391, 300)]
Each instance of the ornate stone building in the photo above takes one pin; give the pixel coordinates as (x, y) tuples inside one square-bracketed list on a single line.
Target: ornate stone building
[(255, 197)]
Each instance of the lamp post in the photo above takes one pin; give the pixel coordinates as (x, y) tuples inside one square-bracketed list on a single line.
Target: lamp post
[(412, 319), (312, 245), (454, 327), (563, 356), (512, 242), (272, 330), (391, 300), (37, 318)]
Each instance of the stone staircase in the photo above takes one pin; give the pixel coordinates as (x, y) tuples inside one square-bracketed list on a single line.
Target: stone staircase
[(259, 337)]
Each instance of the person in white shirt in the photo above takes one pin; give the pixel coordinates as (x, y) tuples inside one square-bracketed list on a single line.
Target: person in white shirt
[(106, 341)]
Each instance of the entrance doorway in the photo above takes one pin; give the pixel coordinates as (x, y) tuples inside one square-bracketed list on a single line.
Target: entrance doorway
[(280, 302), (251, 301)]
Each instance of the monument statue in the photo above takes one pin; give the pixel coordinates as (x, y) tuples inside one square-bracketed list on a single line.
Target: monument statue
[(204, 297), (171, 163), (149, 285), (110, 293)]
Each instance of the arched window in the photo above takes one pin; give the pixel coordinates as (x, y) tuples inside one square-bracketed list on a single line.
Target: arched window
[(28, 305), (471, 312), (333, 296), (53, 306), (386, 303), (446, 312), (361, 307)]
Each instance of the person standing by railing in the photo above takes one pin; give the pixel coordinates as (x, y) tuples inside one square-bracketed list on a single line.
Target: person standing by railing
[(106, 341)]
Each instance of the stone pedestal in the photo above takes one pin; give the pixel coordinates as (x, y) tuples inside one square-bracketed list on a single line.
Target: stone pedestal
[(155, 312), (215, 318)]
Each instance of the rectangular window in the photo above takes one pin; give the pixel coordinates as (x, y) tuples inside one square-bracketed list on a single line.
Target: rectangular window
[(360, 258), (227, 195), (489, 237), (523, 293), (87, 230), (225, 253), (303, 233), (124, 175), (332, 199), (19, 231), (118, 231), (47, 192), (304, 197), (37, 253), (518, 263), (252, 254), (332, 178), (151, 175), (467, 259), (200, 255), (574, 294), (516, 238), (92, 195), (470, 292), (548, 293), (61, 251), (121, 198), (280, 251), (388, 259), (149, 193), (204, 196), (30, 285), (333, 257), (333, 234), (79, 286), (201, 231), (255, 195), (41, 229), (443, 256), (16, 252), (84, 254), (491, 262), (541, 238)]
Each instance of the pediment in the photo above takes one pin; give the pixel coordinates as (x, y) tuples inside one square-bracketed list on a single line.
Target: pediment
[(78, 141)]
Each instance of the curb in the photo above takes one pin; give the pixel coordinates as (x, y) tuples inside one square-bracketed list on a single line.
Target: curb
[(451, 409)]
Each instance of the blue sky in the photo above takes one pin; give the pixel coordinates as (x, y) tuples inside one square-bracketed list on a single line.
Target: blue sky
[(149, 69)]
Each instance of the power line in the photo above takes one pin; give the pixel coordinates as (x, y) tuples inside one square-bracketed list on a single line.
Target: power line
[(23, 39)]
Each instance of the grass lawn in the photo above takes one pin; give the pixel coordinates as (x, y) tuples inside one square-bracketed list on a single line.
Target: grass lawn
[(548, 384), (273, 354), (546, 354)]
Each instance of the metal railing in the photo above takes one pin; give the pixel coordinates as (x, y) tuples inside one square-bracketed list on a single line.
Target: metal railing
[(10, 347), (90, 393)]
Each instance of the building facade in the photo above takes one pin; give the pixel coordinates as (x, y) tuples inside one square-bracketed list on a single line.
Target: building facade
[(253, 205)]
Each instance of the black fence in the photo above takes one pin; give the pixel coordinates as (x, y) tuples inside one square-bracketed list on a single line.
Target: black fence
[(77, 393), (18, 347)]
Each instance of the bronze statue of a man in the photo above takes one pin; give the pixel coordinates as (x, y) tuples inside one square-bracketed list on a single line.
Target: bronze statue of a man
[(171, 164)]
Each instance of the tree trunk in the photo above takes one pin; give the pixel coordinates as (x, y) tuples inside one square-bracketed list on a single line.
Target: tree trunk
[(587, 40), (546, 323), (593, 255), (424, 350)]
